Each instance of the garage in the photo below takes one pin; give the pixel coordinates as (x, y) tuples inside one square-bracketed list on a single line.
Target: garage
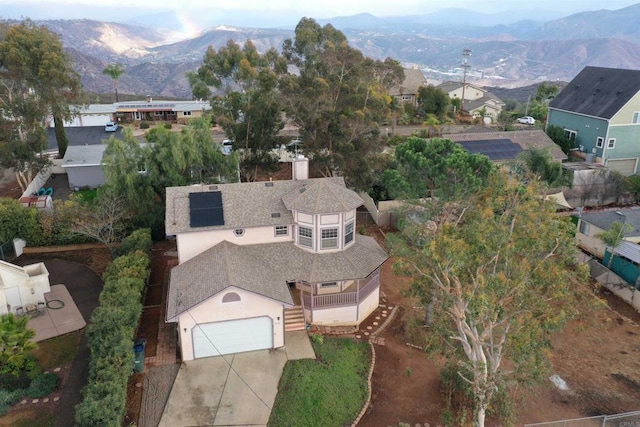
[(233, 336), (89, 120), (626, 167)]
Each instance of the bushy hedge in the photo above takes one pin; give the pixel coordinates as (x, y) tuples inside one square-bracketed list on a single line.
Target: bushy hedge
[(111, 333), (40, 386)]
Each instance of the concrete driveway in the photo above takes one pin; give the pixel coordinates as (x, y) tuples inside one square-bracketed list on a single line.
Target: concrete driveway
[(231, 390)]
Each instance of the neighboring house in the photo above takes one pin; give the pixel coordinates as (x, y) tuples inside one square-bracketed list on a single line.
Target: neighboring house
[(626, 258), (129, 111), (407, 92), (600, 111), (476, 99), (169, 111), (250, 252), (502, 147), (83, 164), (22, 289)]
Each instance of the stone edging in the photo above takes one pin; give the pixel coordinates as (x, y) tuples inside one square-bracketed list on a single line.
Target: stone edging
[(386, 322), (373, 364), (368, 402)]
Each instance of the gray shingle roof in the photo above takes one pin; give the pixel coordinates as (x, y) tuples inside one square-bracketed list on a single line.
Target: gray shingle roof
[(598, 91), (251, 204), (604, 219), (413, 79), (265, 269)]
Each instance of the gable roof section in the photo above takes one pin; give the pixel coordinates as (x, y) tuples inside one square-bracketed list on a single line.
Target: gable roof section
[(413, 79), (525, 139), (265, 269), (604, 219), (598, 92), (251, 204)]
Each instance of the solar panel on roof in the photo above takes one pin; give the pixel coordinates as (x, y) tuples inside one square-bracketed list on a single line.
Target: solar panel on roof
[(495, 149), (205, 209)]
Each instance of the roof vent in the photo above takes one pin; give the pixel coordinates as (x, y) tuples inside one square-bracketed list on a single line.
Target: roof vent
[(302, 190), (213, 187), (268, 184), (275, 214)]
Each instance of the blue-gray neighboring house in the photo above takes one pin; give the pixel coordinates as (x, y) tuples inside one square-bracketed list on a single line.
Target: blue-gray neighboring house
[(600, 111)]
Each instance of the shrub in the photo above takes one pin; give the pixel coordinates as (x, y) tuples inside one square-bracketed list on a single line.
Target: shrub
[(11, 382), (8, 398), (135, 264), (138, 240), (42, 385), (167, 125), (144, 125)]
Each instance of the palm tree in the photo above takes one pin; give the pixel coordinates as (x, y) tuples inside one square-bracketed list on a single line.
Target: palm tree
[(15, 342), (114, 71)]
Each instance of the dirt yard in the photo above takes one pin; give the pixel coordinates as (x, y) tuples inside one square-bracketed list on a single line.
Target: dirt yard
[(598, 357)]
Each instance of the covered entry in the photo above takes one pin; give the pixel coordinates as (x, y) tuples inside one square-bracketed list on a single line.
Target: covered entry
[(233, 336)]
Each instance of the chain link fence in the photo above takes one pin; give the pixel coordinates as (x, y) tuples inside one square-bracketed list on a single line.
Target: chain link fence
[(627, 419)]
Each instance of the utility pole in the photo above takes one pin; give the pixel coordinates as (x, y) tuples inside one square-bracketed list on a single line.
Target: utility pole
[(465, 66)]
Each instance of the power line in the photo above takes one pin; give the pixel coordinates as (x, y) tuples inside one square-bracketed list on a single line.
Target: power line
[(465, 67)]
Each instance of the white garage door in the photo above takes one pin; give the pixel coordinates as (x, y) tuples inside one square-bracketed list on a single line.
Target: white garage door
[(626, 167), (233, 336), (89, 120)]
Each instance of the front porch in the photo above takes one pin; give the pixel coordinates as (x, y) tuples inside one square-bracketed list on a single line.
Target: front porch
[(346, 302)]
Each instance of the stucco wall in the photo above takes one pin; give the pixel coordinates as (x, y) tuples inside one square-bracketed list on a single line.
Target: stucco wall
[(349, 315), (15, 277), (88, 176), (589, 242), (214, 310), (194, 243)]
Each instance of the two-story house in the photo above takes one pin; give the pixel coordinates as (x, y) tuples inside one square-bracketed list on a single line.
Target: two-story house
[(600, 111), (477, 100), (250, 251), (407, 91)]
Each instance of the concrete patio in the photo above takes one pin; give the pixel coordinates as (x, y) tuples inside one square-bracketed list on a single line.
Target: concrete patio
[(232, 390), (60, 316)]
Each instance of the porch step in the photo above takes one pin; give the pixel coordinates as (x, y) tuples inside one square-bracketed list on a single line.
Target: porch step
[(294, 319)]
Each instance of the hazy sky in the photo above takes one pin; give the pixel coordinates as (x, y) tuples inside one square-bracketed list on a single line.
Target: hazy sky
[(41, 9)]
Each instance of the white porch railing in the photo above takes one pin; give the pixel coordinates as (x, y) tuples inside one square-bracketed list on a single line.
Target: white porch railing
[(340, 299)]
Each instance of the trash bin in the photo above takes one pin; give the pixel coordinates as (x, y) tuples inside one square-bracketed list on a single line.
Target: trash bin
[(138, 351)]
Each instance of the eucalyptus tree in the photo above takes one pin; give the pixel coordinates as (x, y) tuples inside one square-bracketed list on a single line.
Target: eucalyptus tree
[(338, 98), (243, 87), (500, 272), (38, 79)]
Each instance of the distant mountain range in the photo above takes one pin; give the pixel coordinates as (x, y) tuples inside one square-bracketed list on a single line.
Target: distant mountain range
[(504, 52)]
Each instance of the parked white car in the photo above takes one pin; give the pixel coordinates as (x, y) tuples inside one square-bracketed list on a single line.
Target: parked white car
[(527, 120), (111, 127)]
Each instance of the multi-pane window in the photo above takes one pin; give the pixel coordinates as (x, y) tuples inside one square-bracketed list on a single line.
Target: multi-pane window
[(305, 236), (599, 142), (186, 113), (348, 233), (282, 230), (611, 143), (329, 238), (636, 117), (584, 227), (571, 134)]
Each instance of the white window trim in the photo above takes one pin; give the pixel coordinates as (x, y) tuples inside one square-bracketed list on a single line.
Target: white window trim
[(310, 238), (158, 113), (584, 227), (186, 113), (599, 142), (571, 134), (636, 118), (611, 144), (278, 230), (325, 240), (353, 230)]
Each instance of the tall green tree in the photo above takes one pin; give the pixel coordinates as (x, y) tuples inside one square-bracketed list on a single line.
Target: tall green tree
[(432, 100), (34, 63), (539, 164), (614, 236), (115, 71), (500, 289), (560, 137), (338, 99), (15, 342), (435, 168), (246, 102)]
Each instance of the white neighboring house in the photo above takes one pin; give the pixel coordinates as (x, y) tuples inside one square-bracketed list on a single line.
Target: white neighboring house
[(92, 115), (475, 98), (22, 288), (591, 224), (249, 251)]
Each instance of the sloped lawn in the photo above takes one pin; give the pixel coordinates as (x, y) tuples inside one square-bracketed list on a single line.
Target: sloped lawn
[(329, 391)]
